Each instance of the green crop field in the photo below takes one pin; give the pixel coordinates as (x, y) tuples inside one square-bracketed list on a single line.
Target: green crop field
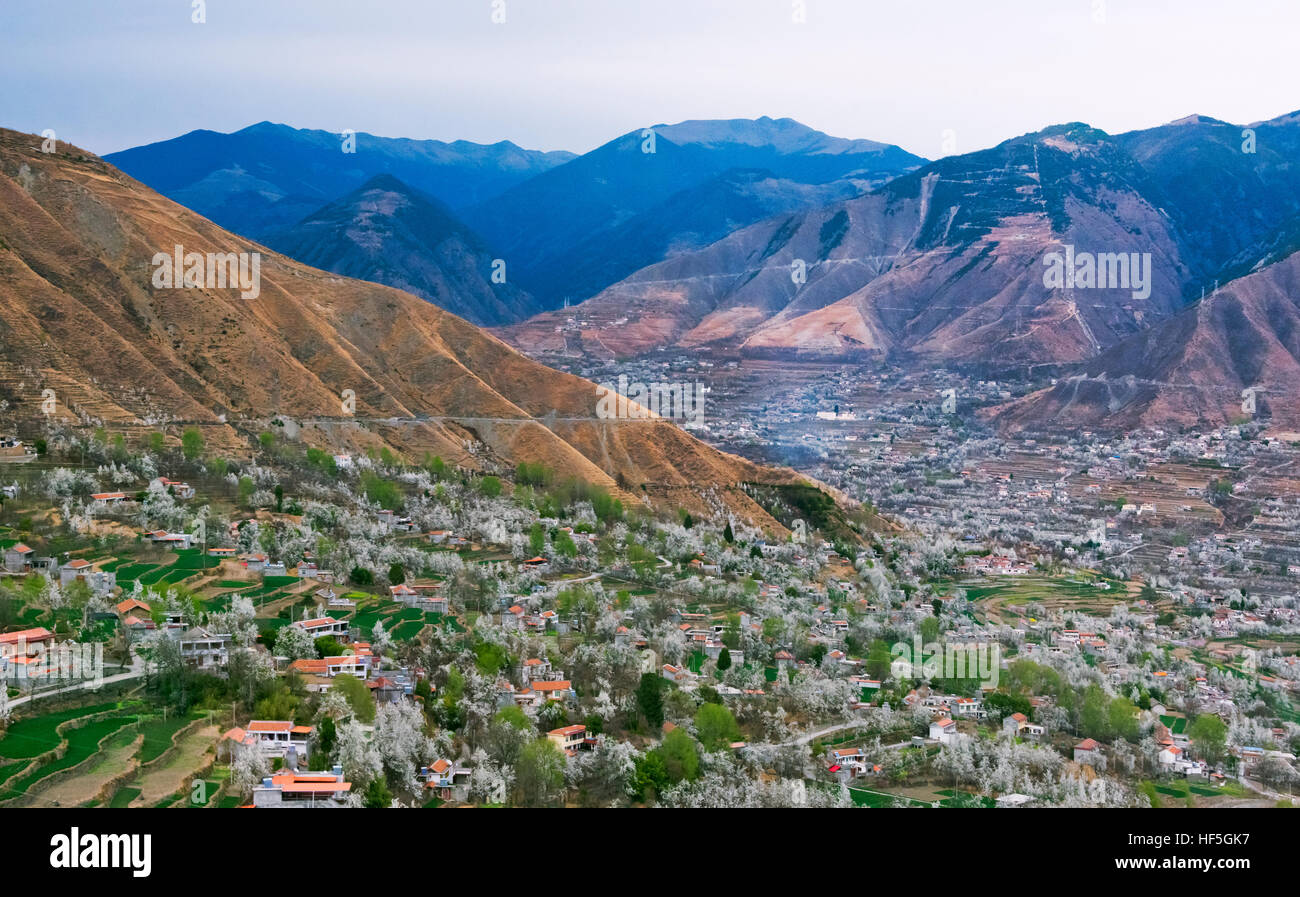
[(82, 743), (29, 738)]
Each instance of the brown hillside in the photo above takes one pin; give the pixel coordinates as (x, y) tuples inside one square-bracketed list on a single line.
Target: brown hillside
[(79, 314)]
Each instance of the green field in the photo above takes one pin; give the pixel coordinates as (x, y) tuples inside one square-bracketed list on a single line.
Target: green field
[(124, 797), (1175, 724), (993, 594), (83, 742), (158, 734), (29, 738)]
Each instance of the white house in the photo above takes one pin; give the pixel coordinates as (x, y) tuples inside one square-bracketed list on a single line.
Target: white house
[(944, 730)]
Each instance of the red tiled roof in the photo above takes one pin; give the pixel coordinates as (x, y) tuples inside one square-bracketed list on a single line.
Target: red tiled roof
[(39, 634)]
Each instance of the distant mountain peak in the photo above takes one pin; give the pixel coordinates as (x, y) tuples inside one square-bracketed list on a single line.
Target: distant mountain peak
[(1195, 119), (389, 232), (785, 135), (386, 181)]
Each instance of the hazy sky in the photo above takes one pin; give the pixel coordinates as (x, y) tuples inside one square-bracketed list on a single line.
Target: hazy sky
[(571, 74)]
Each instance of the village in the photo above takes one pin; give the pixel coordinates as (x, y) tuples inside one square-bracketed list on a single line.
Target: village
[(1107, 624)]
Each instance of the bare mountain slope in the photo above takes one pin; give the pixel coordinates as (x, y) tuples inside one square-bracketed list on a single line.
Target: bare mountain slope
[(79, 314), (942, 264), (1189, 370)]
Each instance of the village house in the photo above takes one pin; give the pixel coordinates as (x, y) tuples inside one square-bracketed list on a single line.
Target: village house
[(944, 730), (1087, 752), (100, 500), (100, 582), (170, 540), (447, 779), (384, 690), (848, 763), (20, 650), (18, 558), (322, 626), (676, 674), (183, 491), (276, 737), (312, 789), (203, 650), (537, 693), (570, 739), (357, 665)]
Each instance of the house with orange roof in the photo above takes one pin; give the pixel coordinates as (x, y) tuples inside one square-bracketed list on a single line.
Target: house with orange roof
[(322, 626), (277, 736), (132, 605), (536, 668), (171, 540), (944, 730), (1087, 752), (676, 674), (104, 499), (18, 558), (558, 690), (18, 650), (303, 789), (570, 739), (847, 764), (448, 779), (353, 664), (183, 491), (1018, 724)]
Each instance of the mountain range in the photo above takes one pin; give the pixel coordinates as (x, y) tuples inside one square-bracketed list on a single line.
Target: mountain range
[(82, 314), (268, 176), (768, 239), (945, 265), (588, 223), (562, 226)]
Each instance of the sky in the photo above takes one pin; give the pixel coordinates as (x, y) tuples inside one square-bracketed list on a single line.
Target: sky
[(933, 76)]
